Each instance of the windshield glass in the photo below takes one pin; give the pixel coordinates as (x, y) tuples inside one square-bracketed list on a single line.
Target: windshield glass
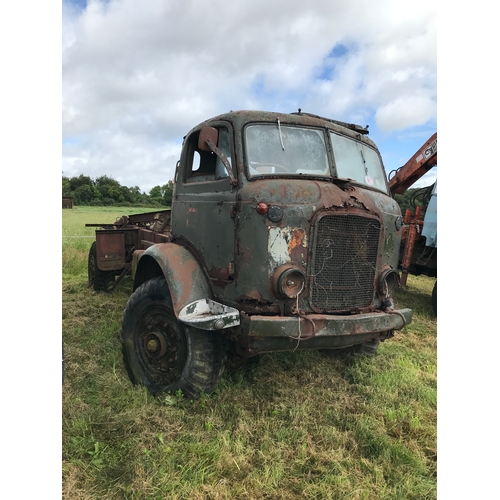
[(358, 162), (273, 149)]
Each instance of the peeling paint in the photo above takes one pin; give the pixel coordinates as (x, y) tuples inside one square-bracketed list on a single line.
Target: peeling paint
[(283, 243)]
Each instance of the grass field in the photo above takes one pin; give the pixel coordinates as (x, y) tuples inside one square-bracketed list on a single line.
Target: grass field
[(287, 426)]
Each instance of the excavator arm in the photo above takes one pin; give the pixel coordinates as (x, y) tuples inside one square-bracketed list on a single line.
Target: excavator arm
[(417, 166)]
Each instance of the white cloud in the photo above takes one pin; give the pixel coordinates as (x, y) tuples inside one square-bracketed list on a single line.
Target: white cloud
[(405, 111), (138, 75)]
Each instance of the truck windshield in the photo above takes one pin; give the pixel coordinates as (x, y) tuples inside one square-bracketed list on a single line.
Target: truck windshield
[(356, 161), (274, 149)]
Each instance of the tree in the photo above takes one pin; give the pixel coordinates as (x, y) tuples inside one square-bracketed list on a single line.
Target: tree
[(137, 196), (105, 190), (156, 195), (167, 192), (84, 194), (81, 180), (66, 187)]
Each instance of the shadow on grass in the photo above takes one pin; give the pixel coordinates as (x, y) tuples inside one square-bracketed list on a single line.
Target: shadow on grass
[(420, 301)]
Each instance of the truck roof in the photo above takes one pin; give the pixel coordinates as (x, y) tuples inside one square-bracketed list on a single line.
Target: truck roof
[(240, 118)]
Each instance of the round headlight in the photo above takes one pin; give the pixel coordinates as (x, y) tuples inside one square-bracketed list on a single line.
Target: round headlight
[(399, 223), (291, 283)]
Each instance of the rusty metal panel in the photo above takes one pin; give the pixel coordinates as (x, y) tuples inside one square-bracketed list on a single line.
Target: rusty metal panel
[(67, 202), (111, 251), (319, 325), (186, 280)]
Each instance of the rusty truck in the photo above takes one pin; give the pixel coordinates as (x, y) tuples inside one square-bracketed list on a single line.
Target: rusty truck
[(282, 236)]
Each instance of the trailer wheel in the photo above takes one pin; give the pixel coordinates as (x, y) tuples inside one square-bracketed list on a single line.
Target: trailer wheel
[(164, 354), (100, 281), (434, 298)]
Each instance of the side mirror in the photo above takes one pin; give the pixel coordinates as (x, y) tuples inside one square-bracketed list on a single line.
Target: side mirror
[(207, 133)]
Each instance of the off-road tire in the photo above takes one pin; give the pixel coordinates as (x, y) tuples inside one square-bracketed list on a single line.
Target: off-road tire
[(369, 348), (435, 298), (164, 354), (100, 281)]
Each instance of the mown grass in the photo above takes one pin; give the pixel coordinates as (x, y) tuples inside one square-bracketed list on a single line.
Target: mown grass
[(285, 426)]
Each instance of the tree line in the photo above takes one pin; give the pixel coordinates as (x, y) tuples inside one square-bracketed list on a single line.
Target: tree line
[(106, 191)]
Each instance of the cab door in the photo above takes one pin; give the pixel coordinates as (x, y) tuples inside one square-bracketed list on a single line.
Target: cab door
[(204, 200)]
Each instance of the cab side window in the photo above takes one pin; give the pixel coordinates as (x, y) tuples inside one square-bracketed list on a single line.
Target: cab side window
[(205, 165)]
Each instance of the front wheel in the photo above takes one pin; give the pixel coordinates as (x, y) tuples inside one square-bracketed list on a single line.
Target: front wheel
[(369, 349), (164, 354)]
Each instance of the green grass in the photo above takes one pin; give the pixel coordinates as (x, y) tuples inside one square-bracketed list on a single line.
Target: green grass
[(286, 426)]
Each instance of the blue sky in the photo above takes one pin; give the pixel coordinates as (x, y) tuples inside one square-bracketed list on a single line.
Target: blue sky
[(138, 75)]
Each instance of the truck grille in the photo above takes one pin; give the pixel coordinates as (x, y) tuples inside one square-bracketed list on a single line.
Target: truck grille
[(344, 262)]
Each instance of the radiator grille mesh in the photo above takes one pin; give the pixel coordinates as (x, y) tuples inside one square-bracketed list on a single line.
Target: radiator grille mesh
[(344, 263)]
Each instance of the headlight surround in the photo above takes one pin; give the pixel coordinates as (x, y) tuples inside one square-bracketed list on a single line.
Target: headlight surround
[(387, 282), (291, 283)]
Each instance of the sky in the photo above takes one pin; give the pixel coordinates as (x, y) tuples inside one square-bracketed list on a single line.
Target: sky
[(137, 76)]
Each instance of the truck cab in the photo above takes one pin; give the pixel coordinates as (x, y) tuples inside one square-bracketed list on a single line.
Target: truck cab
[(284, 236)]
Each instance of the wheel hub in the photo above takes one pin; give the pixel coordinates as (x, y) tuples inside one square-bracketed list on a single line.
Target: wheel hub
[(161, 344), (155, 345)]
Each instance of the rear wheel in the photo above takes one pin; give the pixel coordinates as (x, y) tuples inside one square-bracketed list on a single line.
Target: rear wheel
[(434, 298), (100, 281), (164, 354)]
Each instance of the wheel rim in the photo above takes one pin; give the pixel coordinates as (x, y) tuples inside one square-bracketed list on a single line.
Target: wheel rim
[(161, 344)]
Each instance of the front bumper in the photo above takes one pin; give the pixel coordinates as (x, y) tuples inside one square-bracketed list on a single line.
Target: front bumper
[(256, 334), (317, 331), (321, 325)]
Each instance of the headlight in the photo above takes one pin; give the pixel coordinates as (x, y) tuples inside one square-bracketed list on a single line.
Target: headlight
[(291, 283), (387, 282)]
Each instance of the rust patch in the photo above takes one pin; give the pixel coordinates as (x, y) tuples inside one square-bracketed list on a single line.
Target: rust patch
[(246, 256), (297, 246), (296, 240), (330, 195), (183, 272), (334, 196), (219, 274), (252, 295)]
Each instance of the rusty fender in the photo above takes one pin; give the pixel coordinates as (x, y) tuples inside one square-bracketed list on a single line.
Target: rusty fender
[(191, 295)]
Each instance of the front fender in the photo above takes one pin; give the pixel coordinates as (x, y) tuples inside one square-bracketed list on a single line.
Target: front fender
[(185, 278)]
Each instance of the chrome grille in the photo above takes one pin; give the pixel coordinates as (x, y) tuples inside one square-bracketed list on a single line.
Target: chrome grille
[(344, 262)]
